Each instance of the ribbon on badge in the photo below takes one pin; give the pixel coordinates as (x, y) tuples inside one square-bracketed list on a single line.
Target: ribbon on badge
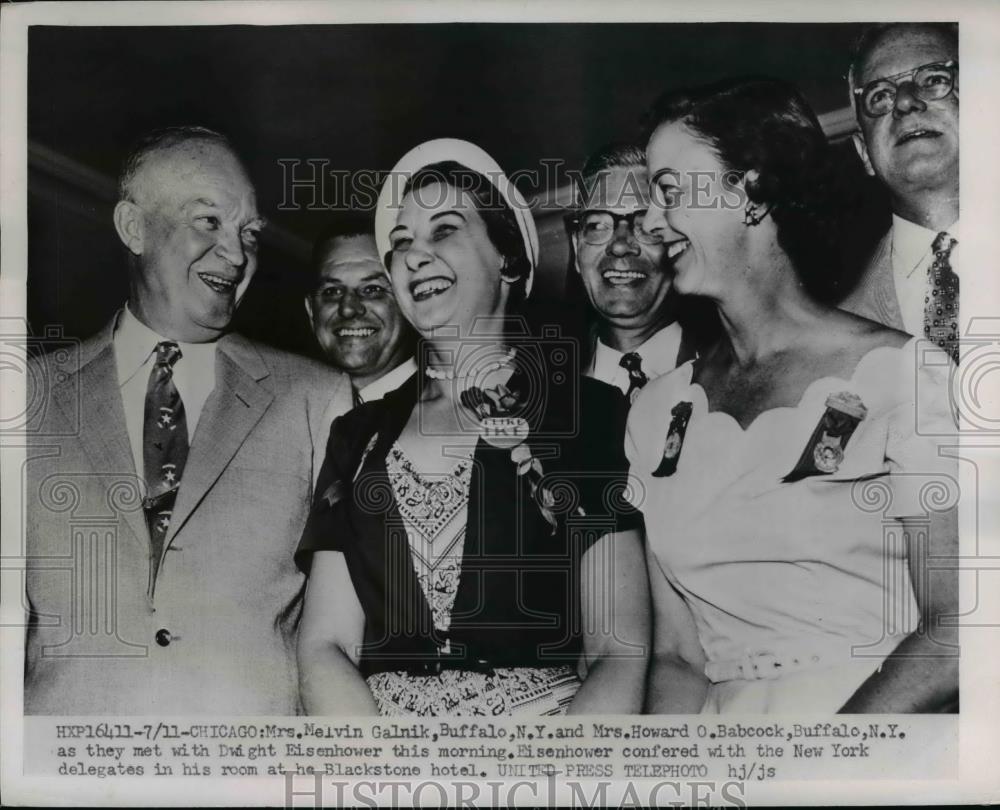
[(680, 416), (825, 449)]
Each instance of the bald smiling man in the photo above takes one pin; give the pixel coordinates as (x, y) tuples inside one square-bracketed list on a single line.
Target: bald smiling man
[(188, 452)]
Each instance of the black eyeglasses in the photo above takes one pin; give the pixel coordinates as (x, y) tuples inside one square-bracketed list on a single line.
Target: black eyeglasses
[(930, 82), (598, 227)]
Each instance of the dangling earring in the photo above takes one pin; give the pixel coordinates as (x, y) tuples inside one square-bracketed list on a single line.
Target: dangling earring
[(505, 272), (752, 215)]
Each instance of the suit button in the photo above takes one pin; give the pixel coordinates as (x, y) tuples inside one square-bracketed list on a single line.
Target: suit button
[(163, 637)]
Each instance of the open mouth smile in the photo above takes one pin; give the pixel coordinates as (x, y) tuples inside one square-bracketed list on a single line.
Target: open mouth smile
[(915, 134), (219, 284), (355, 332), (429, 287), (675, 249), (613, 276)]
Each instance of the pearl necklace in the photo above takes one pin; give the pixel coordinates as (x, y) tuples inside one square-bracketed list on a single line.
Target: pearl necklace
[(496, 365)]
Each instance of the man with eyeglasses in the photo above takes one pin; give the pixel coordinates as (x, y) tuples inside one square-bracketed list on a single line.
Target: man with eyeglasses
[(636, 336), (904, 87)]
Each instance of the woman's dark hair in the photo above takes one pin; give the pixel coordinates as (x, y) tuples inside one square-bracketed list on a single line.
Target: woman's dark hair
[(766, 125), (501, 224)]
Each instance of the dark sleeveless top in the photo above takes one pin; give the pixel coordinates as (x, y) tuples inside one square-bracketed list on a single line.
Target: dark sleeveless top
[(518, 599)]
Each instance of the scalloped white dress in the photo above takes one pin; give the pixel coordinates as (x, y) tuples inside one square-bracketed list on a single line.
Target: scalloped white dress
[(808, 580)]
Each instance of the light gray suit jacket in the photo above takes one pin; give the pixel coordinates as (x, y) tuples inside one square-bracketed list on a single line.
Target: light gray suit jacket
[(874, 296), (227, 590)]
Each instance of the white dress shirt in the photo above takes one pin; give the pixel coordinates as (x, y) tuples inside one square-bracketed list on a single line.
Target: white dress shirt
[(658, 356), (389, 382), (911, 259), (135, 354)]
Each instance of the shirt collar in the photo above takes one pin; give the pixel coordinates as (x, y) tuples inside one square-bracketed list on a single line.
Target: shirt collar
[(911, 243), (389, 382), (135, 342), (658, 353)]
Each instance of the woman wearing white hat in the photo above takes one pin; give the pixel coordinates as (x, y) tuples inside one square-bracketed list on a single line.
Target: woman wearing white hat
[(470, 547)]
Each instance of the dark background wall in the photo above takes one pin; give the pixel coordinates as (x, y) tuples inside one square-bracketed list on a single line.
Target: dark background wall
[(357, 97)]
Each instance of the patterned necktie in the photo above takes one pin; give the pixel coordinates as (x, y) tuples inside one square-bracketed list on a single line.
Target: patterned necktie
[(164, 450), (356, 396), (637, 378), (941, 301)]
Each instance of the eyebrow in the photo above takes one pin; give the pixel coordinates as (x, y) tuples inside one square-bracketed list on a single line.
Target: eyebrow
[(440, 214), (434, 217), (662, 172), (375, 275), (200, 201), (257, 220), (941, 62)]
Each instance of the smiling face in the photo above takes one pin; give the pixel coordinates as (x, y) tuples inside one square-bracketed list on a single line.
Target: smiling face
[(445, 270), (915, 146), (192, 227), (352, 310), (694, 211), (624, 278)]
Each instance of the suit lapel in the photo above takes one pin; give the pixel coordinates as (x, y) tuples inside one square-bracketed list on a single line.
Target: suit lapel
[(883, 291), (232, 410), (98, 401), (875, 295)]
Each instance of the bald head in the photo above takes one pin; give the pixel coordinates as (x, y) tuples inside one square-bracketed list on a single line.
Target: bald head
[(188, 217), (153, 145)]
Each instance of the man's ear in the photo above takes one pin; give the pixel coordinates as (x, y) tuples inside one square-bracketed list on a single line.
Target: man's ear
[(862, 150), (130, 226), (574, 253), (309, 307)]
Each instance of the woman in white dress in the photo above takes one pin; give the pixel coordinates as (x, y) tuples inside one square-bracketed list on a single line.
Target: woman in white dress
[(791, 483)]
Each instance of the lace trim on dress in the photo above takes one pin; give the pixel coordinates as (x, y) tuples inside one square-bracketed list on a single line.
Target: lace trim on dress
[(505, 691), (434, 510)]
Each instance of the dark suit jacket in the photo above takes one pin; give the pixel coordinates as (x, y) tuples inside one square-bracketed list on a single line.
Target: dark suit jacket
[(874, 295), (226, 585), (518, 598)]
